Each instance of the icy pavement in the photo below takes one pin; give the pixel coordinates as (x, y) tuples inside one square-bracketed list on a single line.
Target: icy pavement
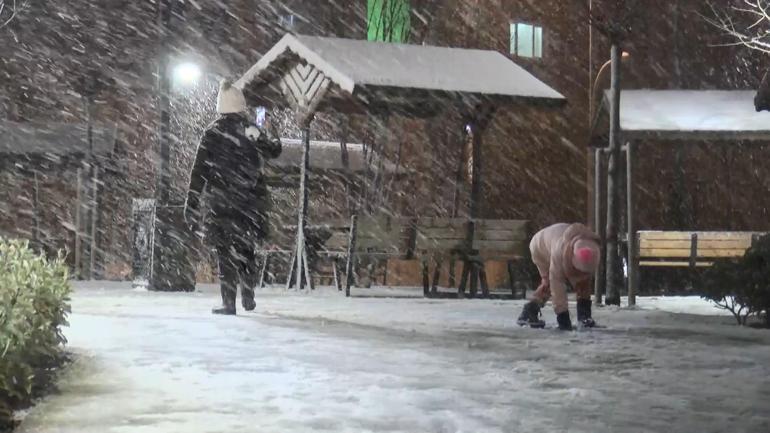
[(152, 362)]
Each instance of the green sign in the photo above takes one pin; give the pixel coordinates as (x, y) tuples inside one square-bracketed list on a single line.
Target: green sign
[(388, 20)]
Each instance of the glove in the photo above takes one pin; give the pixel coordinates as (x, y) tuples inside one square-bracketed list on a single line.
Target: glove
[(253, 133)]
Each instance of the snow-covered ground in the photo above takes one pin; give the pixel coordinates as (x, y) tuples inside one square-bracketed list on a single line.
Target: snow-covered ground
[(153, 362)]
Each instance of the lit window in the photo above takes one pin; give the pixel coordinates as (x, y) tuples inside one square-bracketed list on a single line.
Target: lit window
[(286, 21), (526, 40), (388, 20)]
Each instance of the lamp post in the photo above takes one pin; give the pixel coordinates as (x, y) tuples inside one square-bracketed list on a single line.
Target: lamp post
[(594, 88), (172, 269), (598, 164)]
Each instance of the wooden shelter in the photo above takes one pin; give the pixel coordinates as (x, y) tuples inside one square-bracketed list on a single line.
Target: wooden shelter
[(85, 146), (316, 74), (678, 116)]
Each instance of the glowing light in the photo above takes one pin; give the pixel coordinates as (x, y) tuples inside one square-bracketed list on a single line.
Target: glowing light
[(187, 74)]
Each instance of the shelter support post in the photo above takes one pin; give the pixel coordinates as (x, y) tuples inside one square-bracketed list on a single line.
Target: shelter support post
[(300, 267), (631, 223), (78, 223), (473, 264), (351, 254), (613, 181), (36, 210), (94, 220), (598, 222), (304, 86)]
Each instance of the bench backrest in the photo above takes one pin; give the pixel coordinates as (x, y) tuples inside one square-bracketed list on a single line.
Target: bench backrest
[(502, 238), (697, 245), (384, 235), (492, 238)]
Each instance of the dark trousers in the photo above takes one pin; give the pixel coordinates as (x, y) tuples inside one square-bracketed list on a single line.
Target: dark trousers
[(237, 261)]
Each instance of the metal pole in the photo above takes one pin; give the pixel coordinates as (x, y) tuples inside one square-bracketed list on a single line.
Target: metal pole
[(303, 202), (613, 180), (351, 254), (94, 219), (90, 187), (164, 88), (475, 198), (36, 210), (598, 226), (78, 212), (632, 269)]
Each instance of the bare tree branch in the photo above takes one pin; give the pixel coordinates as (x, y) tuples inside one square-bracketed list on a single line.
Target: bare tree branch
[(747, 24), (9, 9)]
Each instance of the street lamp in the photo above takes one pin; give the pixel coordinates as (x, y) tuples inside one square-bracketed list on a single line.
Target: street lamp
[(592, 109), (187, 74)]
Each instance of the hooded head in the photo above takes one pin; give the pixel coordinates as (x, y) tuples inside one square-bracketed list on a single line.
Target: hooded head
[(230, 99), (585, 255)]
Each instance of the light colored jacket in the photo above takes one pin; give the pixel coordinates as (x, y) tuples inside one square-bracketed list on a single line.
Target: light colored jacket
[(552, 251)]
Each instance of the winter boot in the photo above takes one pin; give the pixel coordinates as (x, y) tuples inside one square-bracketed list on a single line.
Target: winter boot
[(584, 313), (248, 301), (225, 311), (530, 315), (228, 300), (565, 324)]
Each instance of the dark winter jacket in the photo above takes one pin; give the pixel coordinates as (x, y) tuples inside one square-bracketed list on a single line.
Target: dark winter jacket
[(228, 165)]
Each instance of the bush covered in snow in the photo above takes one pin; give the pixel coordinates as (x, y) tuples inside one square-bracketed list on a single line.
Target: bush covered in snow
[(34, 295), (742, 286)]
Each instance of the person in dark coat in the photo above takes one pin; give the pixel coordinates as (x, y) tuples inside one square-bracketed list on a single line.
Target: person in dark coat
[(228, 165)]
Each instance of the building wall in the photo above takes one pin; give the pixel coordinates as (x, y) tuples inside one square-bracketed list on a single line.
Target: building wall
[(535, 164)]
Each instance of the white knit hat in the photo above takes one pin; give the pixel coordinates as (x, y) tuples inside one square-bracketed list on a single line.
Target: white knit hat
[(230, 98), (585, 255)]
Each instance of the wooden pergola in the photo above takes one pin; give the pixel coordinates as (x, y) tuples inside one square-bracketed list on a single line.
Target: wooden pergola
[(316, 74), (88, 146), (678, 116)]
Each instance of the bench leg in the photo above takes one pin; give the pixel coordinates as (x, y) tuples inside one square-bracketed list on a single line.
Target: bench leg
[(452, 281), (308, 277), (292, 267), (474, 280), (483, 280), (263, 271), (463, 279), (436, 276), (336, 274), (511, 279)]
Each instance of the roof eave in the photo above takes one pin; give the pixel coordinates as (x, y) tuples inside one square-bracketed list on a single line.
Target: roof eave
[(290, 43)]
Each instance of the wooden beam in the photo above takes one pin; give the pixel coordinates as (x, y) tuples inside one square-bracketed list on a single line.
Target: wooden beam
[(677, 264), (734, 243), (687, 252)]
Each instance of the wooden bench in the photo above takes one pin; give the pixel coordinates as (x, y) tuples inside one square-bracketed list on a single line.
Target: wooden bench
[(445, 239), (378, 237), (690, 249), (437, 239)]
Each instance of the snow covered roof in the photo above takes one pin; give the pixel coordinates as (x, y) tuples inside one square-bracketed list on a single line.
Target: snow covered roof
[(324, 155), (691, 114), (55, 138), (357, 64)]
